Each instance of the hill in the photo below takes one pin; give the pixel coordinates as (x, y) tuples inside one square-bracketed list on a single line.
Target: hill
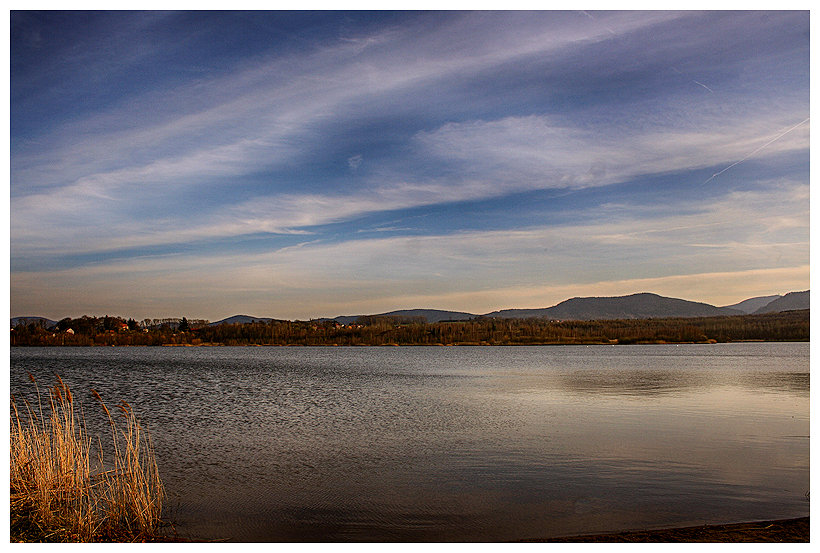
[(789, 302), (40, 321), (753, 304), (635, 306), (242, 319), (428, 315)]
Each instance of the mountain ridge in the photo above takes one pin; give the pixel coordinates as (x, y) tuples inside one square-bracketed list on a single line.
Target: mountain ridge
[(789, 302), (751, 305), (430, 315), (42, 321), (241, 319), (642, 305)]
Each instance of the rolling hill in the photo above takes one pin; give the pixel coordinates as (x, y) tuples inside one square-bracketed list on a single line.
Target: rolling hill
[(429, 315), (635, 306), (42, 321), (789, 302), (753, 304), (242, 319)]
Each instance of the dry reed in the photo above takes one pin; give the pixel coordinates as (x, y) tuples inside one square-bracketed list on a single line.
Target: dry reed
[(62, 487)]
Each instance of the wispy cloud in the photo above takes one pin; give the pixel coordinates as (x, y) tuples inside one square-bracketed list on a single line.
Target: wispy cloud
[(363, 126), (270, 100), (673, 249), (499, 157), (250, 115), (536, 151), (354, 161)]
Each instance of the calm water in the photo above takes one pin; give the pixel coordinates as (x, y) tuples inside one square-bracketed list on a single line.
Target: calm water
[(467, 443)]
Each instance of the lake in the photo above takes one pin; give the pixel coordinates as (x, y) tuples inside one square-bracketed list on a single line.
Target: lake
[(458, 443)]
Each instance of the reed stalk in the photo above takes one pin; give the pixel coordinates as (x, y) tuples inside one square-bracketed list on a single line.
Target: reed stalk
[(63, 488)]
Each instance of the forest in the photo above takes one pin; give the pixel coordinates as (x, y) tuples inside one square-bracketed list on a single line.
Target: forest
[(391, 331)]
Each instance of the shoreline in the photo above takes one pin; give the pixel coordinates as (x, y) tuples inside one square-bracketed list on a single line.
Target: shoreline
[(394, 345), (792, 530)]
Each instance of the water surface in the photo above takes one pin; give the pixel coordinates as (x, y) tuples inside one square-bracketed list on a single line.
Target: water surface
[(461, 444)]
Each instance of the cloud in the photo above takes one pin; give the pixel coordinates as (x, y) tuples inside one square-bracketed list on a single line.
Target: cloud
[(449, 110), (541, 152), (748, 233), (499, 157), (272, 99), (354, 161), (253, 118)]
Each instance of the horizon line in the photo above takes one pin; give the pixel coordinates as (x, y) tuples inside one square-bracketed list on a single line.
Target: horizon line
[(425, 309)]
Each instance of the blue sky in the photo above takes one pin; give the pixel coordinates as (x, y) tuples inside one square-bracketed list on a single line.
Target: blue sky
[(309, 164)]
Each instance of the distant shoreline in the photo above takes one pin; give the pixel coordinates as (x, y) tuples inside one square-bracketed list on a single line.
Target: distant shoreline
[(465, 344), (793, 530), (458, 345), (789, 326)]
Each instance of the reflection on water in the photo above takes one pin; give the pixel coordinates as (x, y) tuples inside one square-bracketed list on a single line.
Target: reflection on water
[(312, 444)]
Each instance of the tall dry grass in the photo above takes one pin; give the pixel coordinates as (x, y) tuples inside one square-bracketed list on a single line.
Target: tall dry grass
[(63, 488)]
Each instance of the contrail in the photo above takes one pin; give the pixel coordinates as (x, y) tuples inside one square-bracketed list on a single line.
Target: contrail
[(703, 85), (679, 72), (747, 156), (589, 15)]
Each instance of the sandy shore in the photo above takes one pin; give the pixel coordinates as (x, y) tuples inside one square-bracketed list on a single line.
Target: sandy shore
[(789, 530)]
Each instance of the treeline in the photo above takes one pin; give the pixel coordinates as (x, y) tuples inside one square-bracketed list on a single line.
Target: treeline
[(381, 331), (101, 331)]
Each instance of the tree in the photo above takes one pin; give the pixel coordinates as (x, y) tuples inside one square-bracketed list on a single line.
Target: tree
[(183, 325)]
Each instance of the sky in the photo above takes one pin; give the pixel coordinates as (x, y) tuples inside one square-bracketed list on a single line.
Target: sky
[(313, 164)]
